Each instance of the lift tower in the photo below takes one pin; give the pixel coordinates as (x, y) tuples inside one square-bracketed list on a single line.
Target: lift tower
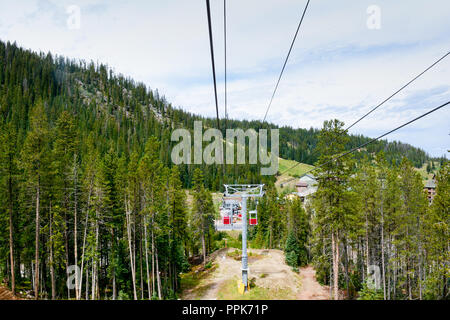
[(244, 191)]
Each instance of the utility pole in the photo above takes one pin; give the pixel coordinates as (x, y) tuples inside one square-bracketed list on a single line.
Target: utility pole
[(244, 243), (244, 192)]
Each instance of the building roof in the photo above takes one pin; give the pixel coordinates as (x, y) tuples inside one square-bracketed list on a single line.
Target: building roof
[(301, 184), (430, 184), (309, 179), (307, 192)]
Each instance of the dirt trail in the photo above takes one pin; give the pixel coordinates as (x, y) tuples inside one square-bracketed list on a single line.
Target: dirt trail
[(311, 289), (227, 269), (5, 294), (268, 269), (272, 272)]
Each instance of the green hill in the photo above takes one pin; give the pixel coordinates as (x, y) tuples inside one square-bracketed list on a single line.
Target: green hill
[(120, 113)]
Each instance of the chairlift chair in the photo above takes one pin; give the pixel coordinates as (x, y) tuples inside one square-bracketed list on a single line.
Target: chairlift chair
[(253, 218)]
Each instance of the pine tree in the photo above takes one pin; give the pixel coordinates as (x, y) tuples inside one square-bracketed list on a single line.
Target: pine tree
[(64, 182), (203, 210), (270, 230), (438, 237), (298, 227), (35, 163), (292, 250), (429, 167), (410, 239), (150, 172), (332, 190), (8, 180), (176, 205)]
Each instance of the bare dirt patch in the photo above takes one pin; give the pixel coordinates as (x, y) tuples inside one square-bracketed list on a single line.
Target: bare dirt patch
[(268, 272), (6, 294), (311, 289)]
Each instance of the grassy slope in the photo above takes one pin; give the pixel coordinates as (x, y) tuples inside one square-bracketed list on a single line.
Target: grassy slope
[(299, 170), (423, 171), (302, 168)]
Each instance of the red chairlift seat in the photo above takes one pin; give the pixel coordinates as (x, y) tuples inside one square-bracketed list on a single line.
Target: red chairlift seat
[(253, 218)]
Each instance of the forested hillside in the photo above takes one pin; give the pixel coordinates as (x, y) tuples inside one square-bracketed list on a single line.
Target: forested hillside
[(369, 230), (117, 111), (86, 179)]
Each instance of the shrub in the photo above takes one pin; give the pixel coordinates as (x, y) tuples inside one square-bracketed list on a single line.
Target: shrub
[(292, 259), (367, 293), (123, 296)]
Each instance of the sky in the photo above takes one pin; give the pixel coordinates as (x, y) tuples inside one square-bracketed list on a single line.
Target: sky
[(349, 56)]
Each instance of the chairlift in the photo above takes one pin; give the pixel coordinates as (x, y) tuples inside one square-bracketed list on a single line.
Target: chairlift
[(253, 218)]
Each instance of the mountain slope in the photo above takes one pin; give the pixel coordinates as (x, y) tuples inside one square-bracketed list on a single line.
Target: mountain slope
[(119, 112)]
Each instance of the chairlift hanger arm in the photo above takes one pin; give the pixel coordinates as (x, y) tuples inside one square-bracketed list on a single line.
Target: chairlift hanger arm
[(244, 190)]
